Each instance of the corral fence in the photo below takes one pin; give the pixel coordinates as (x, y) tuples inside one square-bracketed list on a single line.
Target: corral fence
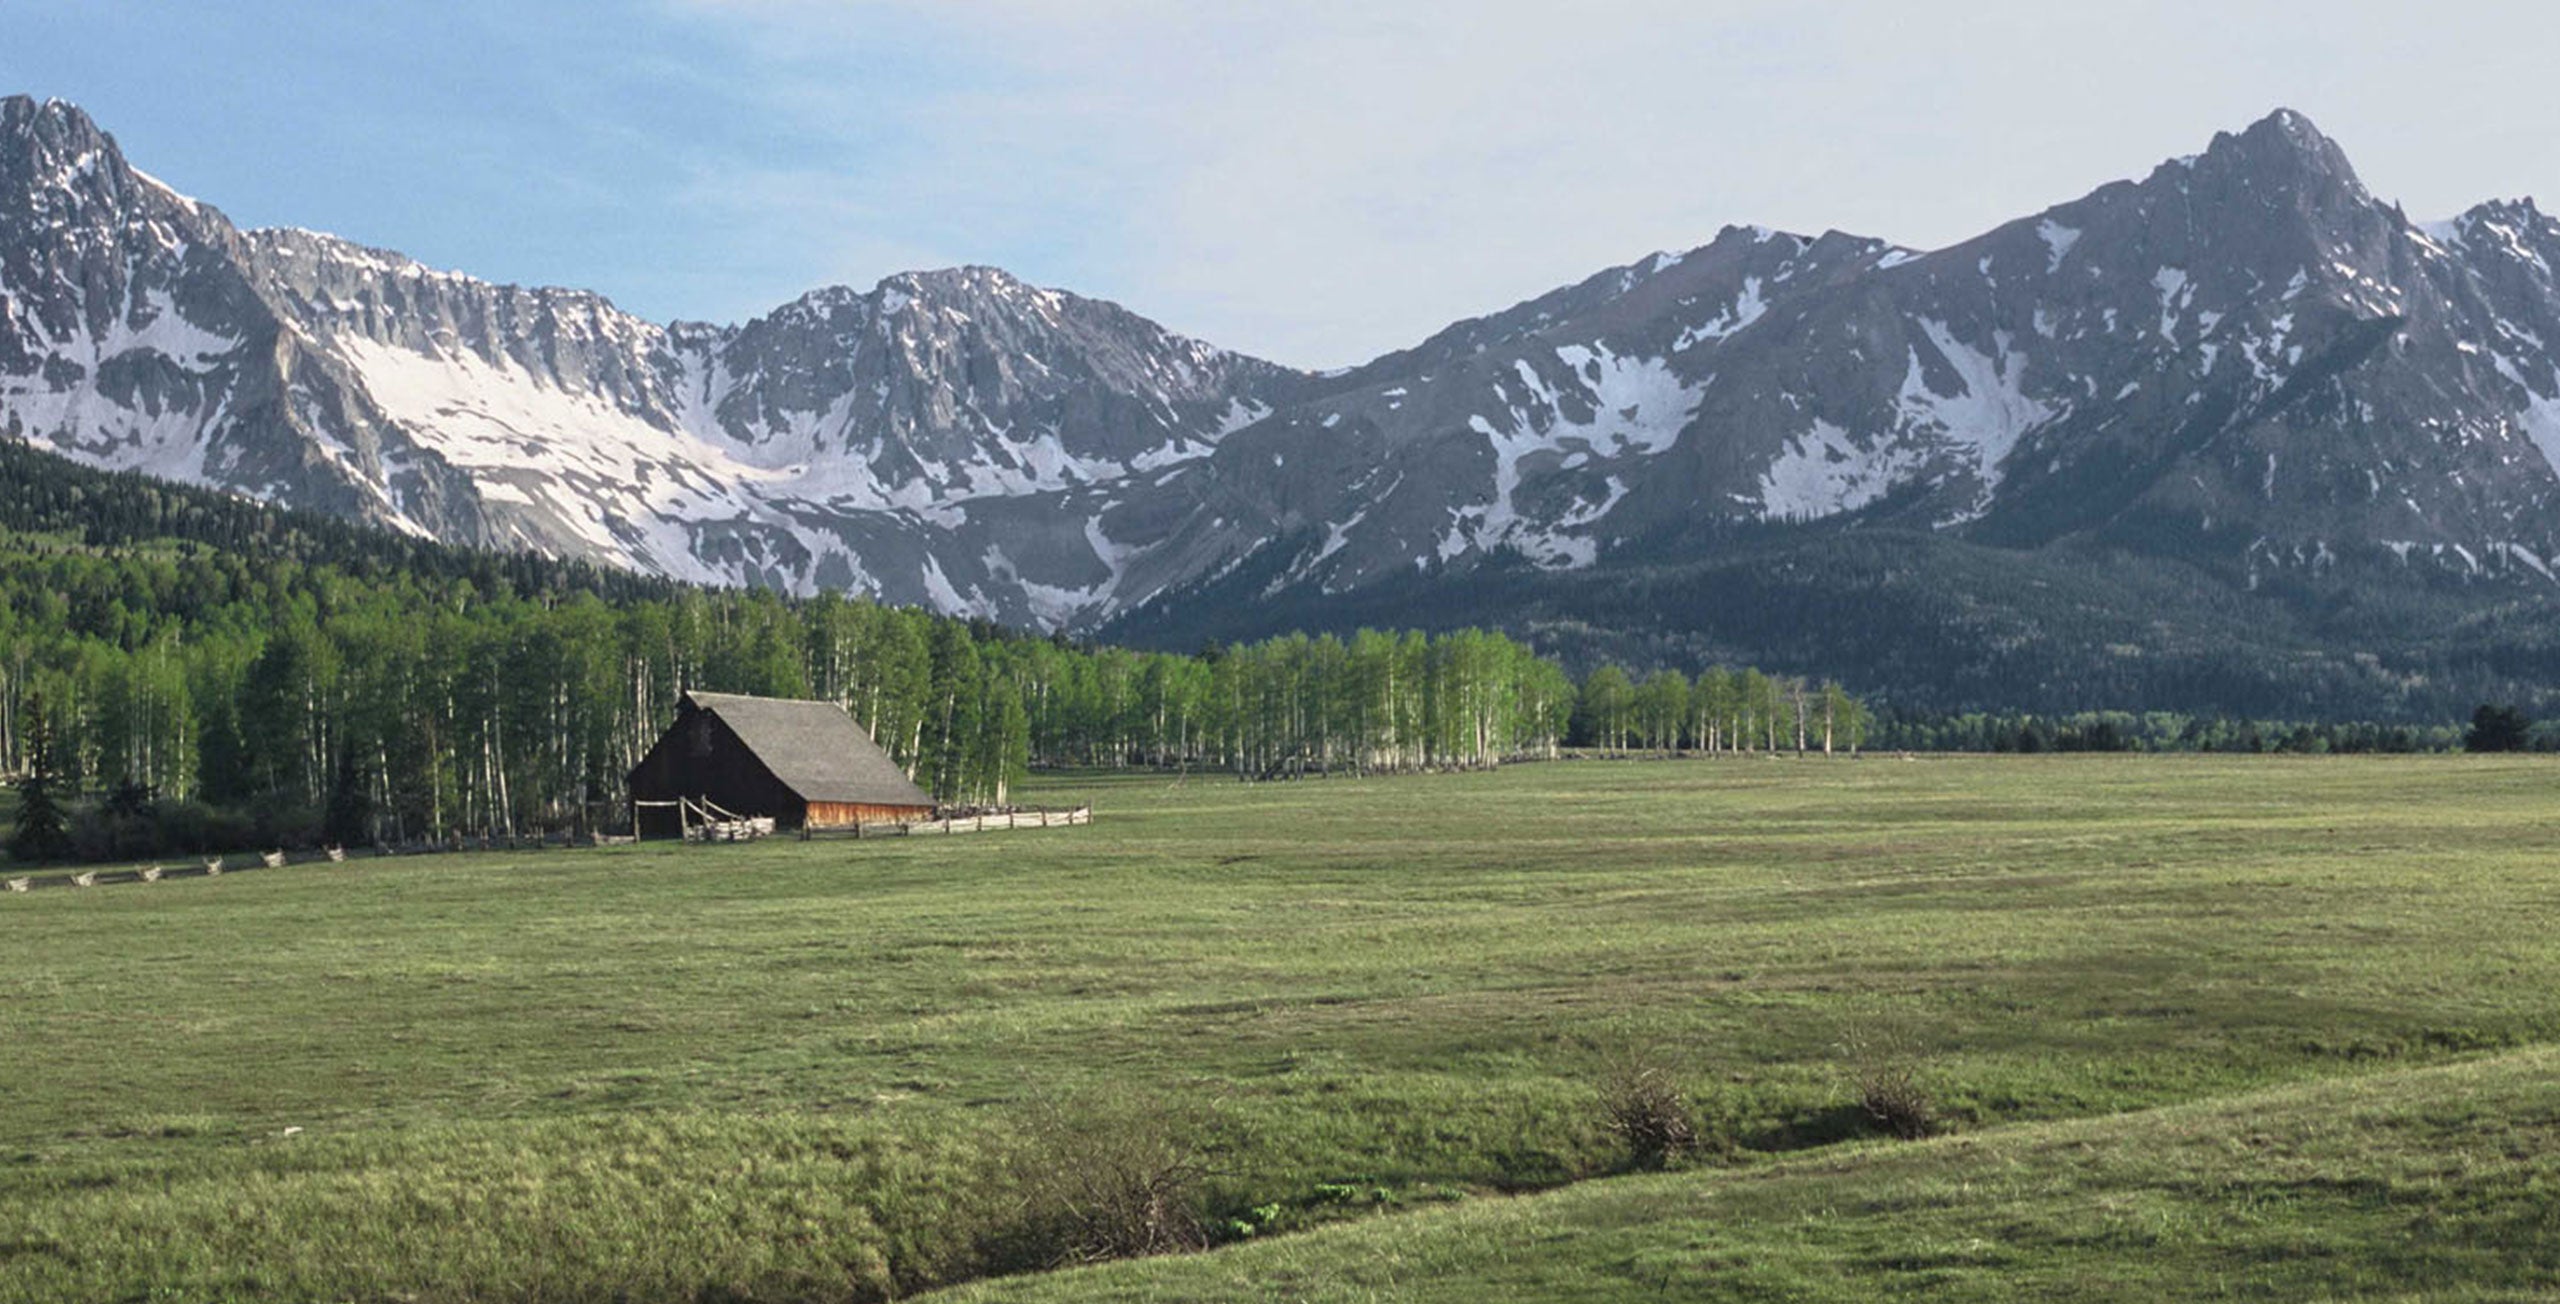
[(986, 820), (705, 820)]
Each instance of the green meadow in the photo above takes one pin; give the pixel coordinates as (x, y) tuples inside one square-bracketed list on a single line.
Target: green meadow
[(2272, 1027)]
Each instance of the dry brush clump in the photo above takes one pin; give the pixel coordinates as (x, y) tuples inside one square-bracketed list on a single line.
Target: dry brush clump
[(1646, 1109), (1883, 1062), (1096, 1178)]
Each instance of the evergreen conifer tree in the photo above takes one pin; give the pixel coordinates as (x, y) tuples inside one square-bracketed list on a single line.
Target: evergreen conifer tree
[(349, 817), (40, 834), (2498, 729)]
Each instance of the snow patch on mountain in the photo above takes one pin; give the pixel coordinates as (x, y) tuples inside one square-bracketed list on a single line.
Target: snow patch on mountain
[(1636, 406), (1825, 471), (2176, 292), (1990, 410), (1114, 556), (945, 595), (1747, 307), (1239, 414), (72, 405), (1640, 404), (1040, 464), (2541, 417), (612, 479), (2058, 240)]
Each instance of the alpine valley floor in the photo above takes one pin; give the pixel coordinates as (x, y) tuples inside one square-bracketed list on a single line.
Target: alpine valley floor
[(2267, 1027)]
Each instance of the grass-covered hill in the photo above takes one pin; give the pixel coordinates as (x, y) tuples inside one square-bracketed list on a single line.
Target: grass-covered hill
[(2425, 1183), (2193, 1025)]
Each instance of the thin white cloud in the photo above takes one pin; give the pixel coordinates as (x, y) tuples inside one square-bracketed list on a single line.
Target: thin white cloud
[(1324, 180)]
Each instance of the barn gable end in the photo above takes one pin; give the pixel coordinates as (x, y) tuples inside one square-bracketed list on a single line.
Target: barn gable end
[(798, 763)]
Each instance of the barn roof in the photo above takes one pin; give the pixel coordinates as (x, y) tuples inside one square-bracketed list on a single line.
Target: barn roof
[(814, 748)]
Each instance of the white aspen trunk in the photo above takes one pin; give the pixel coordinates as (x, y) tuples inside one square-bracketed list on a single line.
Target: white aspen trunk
[(495, 747)]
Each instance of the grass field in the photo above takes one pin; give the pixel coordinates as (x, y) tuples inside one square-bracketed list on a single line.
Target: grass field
[(2192, 1019)]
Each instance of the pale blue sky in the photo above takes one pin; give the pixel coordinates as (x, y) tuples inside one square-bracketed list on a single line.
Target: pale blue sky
[(1317, 181)]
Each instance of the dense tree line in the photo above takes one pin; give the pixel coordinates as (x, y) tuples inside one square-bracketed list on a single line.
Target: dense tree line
[(1722, 710), (275, 699), (2153, 731)]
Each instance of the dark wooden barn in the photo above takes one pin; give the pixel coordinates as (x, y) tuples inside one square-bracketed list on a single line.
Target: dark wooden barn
[(800, 764)]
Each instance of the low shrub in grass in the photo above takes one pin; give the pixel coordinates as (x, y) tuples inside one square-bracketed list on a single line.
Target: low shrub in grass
[(1647, 1111), (1098, 1178), (1884, 1064)]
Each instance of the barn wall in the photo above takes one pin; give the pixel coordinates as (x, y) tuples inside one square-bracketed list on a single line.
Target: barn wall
[(840, 814)]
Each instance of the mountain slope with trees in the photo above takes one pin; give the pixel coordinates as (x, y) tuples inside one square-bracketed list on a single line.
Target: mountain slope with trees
[(205, 672), (2234, 436)]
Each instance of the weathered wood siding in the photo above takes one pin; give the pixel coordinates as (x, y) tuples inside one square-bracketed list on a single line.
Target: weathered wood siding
[(842, 815)]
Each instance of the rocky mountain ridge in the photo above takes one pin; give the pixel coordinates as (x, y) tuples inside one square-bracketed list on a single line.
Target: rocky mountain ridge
[(828, 443), (2244, 358)]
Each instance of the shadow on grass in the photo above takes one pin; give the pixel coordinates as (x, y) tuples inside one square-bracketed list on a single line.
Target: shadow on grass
[(1812, 1129)]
